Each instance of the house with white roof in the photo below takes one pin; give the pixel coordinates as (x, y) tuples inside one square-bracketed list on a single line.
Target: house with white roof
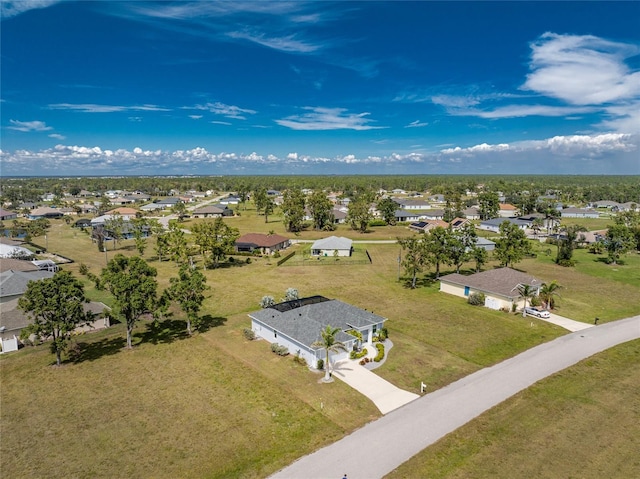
[(329, 246)]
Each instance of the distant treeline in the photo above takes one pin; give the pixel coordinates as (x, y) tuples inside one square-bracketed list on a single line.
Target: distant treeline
[(567, 189)]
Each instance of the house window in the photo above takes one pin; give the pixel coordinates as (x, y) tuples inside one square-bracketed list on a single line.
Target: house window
[(466, 290), (275, 334)]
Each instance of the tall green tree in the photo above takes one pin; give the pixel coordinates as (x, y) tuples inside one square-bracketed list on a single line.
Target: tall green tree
[(480, 256), (293, 204), (437, 247), (114, 227), (387, 208), (489, 205), (320, 208), (132, 282), (260, 199), (512, 246), (187, 289), (215, 239), (618, 241), (55, 305), (359, 215), (567, 242), (460, 244), (180, 210), (175, 240), (415, 257), (140, 228), (268, 208), (330, 344)]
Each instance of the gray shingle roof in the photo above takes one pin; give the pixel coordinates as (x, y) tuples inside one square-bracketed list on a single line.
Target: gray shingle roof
[(15, 282), (305, 323)]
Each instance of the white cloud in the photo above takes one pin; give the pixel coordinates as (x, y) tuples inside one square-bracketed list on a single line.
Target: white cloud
[(582, 69), (57, 136), (518, 111), (608, 153), (216, 122), (288, 44), (29, 126), (319, 118), (573, 145), (416, 124), (195, 117), (229, 111), (95, 108), (10, 8)]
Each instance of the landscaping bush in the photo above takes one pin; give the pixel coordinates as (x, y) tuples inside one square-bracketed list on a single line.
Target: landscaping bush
[(383, 334), (84, 269), (476, 299), (320, 364), (377, 223), (299, 359), (358, 355), (249, 334), (535, 301), (380, 356), (279, 350)]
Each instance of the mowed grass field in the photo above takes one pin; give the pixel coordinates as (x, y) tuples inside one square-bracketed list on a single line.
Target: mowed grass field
[(217, 405)]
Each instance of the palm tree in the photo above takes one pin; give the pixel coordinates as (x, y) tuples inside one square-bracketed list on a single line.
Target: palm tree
[(547, 293), (526, 292), (330, 344)]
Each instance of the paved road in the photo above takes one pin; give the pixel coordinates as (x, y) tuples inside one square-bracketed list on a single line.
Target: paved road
[(382, 445)]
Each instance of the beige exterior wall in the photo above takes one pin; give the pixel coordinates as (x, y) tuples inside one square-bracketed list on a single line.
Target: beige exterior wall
[(452, 289)]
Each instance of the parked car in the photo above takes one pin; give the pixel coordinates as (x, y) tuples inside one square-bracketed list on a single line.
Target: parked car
[(540, 313)]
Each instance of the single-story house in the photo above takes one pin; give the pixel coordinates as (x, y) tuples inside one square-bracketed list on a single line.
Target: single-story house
[(424, 226), (266, 244), (472, 213), (230, 200), (339, 215), (494, 224), (485, 244), (500, 286), (298, 324), (7, 215), (125, 213), (82, 223), (329, 246), (432, 215), (13, 250), (457, 223), (407, 204), (579, 213), (45, 212), (507, 210), (212, 211), (405, 215)]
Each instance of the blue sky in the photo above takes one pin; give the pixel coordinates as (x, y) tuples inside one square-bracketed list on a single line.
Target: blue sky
[(127, 88)]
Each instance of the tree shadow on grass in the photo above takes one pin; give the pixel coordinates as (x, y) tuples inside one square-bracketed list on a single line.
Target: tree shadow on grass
[(207, 322), (90, 351), (163, 332), (170, 330)]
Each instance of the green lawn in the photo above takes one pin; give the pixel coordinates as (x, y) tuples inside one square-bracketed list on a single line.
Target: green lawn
[(216, 405), (583, 422)]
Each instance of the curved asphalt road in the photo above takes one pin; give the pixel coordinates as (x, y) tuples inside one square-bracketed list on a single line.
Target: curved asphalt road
[(402, 433)]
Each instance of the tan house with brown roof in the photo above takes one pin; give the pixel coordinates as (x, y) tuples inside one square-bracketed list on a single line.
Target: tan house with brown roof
[(500, 286), (265, 244), (507, 210)]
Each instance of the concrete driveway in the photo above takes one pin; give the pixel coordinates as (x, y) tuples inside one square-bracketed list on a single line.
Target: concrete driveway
[(384, 395), (566, 323), (404, 432)]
